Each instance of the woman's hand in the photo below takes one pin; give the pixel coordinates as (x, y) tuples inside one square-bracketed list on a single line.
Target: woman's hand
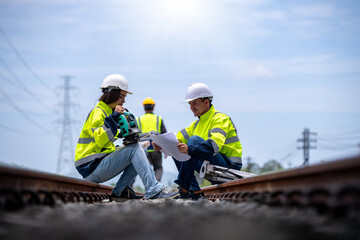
[(156, 147), (120, 109), (183, 148)]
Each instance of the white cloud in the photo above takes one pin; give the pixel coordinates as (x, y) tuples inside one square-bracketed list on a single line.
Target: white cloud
[(253, 71), (316, 11), (268, 15)]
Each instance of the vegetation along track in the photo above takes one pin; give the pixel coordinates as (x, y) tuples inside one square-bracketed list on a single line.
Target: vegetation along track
[(331, 187)]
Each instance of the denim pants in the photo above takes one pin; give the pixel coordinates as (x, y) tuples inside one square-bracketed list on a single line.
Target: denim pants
[(186, 178), (130, 160)]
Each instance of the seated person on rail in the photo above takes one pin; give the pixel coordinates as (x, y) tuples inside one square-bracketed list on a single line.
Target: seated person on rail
[(96, 157), (212, 137)]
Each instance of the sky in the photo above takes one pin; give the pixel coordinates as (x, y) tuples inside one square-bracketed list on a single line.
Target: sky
[(275, 67)]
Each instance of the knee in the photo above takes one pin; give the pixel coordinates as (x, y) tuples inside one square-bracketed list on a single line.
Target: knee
[(195, 139), (137, 148)]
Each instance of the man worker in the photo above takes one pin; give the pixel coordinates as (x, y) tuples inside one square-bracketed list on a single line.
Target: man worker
[(147, 123), (211, 137)]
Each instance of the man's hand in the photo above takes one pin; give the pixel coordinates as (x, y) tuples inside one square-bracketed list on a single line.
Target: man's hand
[(156, 147), (183, 148)]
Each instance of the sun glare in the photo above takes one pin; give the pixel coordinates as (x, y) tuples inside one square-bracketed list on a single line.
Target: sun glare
[(178, 10), (176, 17)]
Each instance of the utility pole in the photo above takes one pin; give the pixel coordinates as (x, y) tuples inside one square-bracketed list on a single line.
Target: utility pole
[(306, 145), (248, 162), (65, 162)]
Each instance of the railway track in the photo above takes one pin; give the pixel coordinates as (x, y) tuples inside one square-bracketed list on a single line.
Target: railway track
[(329, 187), (20, 187)]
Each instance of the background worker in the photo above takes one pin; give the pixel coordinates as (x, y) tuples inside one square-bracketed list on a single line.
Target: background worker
[(147, 123), (96, 158), (211, 137)]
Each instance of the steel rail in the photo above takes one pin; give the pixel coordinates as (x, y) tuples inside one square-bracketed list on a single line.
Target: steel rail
[(331, 185), (19, 179), (20, 187)]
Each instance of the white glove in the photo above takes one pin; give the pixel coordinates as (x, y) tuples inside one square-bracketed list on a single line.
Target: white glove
[(145, 144)]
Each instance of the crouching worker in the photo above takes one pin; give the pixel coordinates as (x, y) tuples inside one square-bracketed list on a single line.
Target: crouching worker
[(211, 137), (96, 158)]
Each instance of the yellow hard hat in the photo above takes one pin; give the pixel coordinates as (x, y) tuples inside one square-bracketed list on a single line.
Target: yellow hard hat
[(149, 100)]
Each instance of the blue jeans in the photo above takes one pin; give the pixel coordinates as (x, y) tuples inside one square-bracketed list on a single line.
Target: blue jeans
[(186, 178), (131, 160)]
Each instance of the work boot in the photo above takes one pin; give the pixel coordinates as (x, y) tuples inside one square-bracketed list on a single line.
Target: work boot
[(127, 194), (197, 196), (183, 194), (164, 194), (190, 195)]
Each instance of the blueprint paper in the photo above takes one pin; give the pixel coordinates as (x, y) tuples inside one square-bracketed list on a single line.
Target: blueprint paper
[(168, 143)]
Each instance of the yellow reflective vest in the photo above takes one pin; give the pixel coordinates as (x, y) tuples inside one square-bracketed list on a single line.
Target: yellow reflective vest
[(147, 123), (96, 139), (219, 129)]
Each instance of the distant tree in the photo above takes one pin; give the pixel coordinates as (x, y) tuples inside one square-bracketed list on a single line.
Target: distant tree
[(271, 166), (252, 168)]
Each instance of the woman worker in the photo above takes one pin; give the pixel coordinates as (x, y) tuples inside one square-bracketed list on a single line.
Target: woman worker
[(96, 158)]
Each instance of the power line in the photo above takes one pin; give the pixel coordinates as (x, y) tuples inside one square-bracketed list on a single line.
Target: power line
[(287, 151), (337, 146), (18, 131), (338, 139), (336, 135), (23, 60), (22, 112), (8, 79), (353, 147), (18, 83), (23, 87)]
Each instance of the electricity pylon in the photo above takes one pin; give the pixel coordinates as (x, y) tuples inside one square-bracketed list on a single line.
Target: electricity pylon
[(65, 164), (306, 145)]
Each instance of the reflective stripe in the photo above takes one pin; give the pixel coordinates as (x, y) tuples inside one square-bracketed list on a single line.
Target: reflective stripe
[(109, 133), (185, 134), (139, 124), (103, 112), (88, 115), (217, 130), (232, 140), (215, 146), (86, 140), (197, 122), (157, 123), (236, 159), (89, 158), (233, 125)]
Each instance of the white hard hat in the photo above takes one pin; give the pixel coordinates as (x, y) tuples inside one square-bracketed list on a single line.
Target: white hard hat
[(197, 90), (115, 81)]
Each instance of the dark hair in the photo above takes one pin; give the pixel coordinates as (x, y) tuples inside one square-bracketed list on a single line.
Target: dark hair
[(110, 97), (149, 107), (210, 100)]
